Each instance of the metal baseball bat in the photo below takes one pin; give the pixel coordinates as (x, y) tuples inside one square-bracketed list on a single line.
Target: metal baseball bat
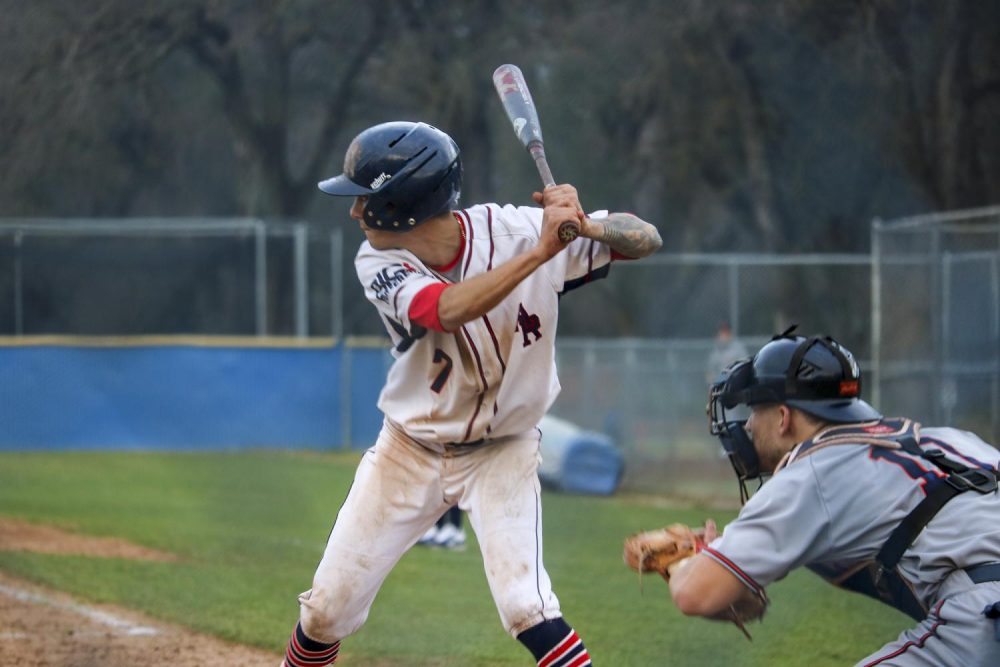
[(517, 103)]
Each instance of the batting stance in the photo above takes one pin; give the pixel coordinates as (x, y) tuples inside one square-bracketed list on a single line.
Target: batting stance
[(469, 298), (907, 515)]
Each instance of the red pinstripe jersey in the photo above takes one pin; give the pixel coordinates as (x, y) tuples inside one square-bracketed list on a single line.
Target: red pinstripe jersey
[(495, 375)]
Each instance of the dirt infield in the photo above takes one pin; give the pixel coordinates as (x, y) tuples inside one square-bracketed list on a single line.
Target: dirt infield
[(17, 535), (45, 628)]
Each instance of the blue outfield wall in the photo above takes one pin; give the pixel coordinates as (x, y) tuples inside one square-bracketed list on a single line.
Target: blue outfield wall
[(188, 396)]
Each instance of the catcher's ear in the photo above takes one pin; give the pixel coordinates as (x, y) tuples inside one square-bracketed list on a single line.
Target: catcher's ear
[(784, 420)]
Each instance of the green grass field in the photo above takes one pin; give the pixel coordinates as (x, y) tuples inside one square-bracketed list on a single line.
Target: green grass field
[(250, 527)]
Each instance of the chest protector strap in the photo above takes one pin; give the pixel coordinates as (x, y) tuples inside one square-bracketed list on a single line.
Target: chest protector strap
[(880, 579)]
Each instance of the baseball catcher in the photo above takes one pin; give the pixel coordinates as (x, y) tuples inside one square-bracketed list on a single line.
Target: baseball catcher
[(879, 506)]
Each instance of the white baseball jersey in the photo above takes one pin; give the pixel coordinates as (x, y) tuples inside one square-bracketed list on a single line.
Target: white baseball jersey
[(495, 376), (832, 509)]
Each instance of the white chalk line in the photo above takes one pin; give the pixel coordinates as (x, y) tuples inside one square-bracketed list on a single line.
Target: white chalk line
[(26, 636), (97, 615)]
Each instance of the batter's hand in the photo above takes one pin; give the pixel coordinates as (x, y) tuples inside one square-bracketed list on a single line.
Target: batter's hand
[(560, 203)]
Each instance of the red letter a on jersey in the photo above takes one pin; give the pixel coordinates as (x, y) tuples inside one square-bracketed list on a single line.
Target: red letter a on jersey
[(528, 324)]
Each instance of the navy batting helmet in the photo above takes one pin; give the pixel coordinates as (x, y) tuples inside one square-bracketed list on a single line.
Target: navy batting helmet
[(409, 172)]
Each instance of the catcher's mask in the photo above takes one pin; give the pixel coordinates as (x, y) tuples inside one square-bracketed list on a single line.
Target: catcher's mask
[(731, 432), (815, 375)]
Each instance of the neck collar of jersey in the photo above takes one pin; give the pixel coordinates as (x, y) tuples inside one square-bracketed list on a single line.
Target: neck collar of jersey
[(461, 249)]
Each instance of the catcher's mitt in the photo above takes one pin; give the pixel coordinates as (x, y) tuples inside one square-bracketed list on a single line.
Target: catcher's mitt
[(666, 549), (663, 550)]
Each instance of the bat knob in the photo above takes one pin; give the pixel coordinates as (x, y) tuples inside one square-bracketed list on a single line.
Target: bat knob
[(568, 231)]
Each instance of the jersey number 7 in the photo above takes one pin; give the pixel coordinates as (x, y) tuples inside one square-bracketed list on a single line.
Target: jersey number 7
[(440, 356)]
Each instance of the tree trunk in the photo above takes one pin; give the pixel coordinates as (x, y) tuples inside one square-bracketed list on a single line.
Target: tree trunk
[(748, 102)]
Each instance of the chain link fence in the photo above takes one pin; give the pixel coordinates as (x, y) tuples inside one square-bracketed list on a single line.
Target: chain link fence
[(936, 318), (635, 352), (128, 277), (250, 277)]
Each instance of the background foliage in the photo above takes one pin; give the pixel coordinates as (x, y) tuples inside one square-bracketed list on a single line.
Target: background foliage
[(776, 126)]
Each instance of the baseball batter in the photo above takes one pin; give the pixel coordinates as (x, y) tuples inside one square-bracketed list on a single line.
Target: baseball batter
[(908, 515), (470, 300)]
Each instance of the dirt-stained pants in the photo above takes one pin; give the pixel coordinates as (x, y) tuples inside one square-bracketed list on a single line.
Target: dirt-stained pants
[(400, 489)]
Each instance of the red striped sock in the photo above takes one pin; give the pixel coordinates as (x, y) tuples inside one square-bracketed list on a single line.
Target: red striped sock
[(305, 652), (555, 644), (570, 652)]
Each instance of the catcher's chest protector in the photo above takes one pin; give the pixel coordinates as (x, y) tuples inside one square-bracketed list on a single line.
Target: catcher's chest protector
[(880, 579)]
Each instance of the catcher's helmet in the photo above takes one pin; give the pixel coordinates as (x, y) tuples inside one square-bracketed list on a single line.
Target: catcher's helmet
[(816, 375), (409, 172)]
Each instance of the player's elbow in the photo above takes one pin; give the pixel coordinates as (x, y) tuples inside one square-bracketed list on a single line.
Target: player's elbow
[(693, 598), (655, 241), (689, 602), (449, 313), (451, 319), (649, 242)]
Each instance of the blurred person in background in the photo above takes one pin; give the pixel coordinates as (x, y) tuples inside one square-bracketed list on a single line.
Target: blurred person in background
[(447, 533), (725, 351)]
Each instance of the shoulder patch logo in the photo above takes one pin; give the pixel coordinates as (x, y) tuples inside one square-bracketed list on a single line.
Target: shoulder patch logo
[(389, 278), (528, 325)]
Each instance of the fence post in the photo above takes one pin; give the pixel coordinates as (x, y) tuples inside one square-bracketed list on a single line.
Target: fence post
[(948, 387), (301, 264), (336, 286), (876, 332), (18, 285), (260, 277), (734, 297), (935, 314)]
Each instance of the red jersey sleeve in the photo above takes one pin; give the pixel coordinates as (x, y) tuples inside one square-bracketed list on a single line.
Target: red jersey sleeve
[(424, 306)]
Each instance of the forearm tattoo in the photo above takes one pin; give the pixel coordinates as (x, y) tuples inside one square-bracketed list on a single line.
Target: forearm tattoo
[(629, 235)]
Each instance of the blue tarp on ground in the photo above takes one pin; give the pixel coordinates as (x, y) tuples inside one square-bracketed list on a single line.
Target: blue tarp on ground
[(578, 461)]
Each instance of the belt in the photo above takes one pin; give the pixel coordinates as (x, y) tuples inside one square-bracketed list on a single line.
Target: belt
[(453, 449), (983, 573), (471, 443)]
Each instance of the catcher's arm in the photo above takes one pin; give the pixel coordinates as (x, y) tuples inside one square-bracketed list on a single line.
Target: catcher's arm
[(703, 587)]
